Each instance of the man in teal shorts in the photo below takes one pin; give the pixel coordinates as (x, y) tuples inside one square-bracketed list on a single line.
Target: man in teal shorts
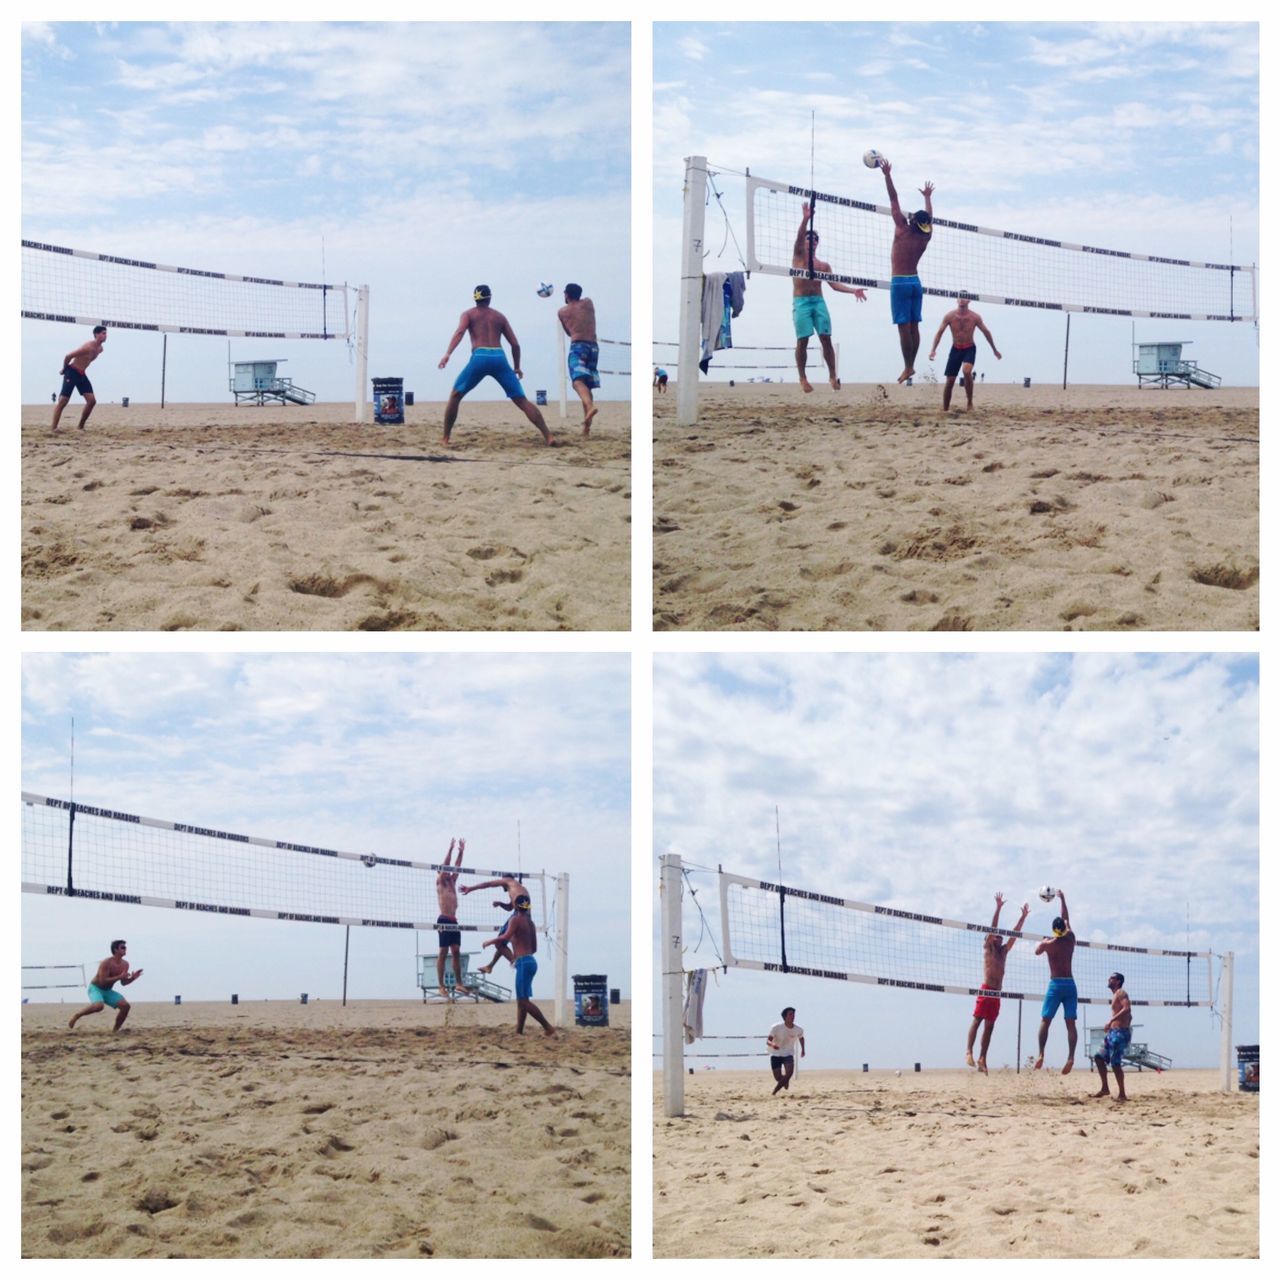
[(911, 237), (115, 968), (487, 328), (522, 935), (808, 307), (1058, 950)]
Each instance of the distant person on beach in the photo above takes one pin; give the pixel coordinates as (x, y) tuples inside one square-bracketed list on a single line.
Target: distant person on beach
[(1058, 950), (1119, 1033), (522, 936), (782, 1042), (995, 951), (74, 377), (450, 939), (515, 890), (962, 322), (578, 319), (660, 381), (911, 237), (809, 311), (115, 968), (487, 328)]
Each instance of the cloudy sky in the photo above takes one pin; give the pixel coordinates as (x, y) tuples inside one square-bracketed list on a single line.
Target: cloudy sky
[(390, 754), (1139, 137), (420, 159), (929, 782)]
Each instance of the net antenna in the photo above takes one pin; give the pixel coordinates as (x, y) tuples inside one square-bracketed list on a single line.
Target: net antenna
[(75, 850), (775, 928), (80, 287)]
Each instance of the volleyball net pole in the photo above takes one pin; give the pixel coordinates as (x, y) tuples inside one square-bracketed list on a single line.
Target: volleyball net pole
[(672, 961), (690, 335)]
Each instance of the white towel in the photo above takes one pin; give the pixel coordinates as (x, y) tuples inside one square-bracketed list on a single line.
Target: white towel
[(694, 997)]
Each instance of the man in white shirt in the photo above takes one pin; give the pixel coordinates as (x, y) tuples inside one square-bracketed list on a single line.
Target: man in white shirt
[(782, 1042)]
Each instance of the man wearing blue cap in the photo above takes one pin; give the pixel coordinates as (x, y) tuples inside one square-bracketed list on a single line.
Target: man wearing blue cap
[(1058, 950), (911, 237)]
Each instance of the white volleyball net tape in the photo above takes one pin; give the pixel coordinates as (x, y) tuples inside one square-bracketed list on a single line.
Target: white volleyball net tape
[(1013, 268)]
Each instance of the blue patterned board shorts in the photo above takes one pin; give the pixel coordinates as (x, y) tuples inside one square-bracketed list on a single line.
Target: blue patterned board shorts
[(1062, 991), (1114, 1045), (810, 315), (583, 359), (906, 299), (489, 362), (526, 967)]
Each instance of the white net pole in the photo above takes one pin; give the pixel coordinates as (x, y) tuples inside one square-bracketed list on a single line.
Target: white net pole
[(1228, 976), (672, 959), (362, 354), (564, 371), (562, 948), (690, 336)]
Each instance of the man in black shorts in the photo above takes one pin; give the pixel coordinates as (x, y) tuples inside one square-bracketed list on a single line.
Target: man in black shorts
[(781, 1044), (450, 939), (74, 377), (964, 350)]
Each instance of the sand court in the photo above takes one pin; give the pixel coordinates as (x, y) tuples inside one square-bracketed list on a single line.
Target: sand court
[(208, 518), (386, 1129), (1095, 508), (950, 1164)]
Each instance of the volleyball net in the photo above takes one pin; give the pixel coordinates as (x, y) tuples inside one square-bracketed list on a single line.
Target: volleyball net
[(50, 970)]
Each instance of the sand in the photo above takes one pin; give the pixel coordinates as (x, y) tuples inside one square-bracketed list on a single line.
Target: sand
[(951, 1164), (1096, 508), (388, 1129), (214, 518)]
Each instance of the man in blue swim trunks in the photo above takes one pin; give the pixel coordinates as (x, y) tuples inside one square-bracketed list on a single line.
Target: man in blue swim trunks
[(1119, 1032), (1058, 950), (808, 307), (487, 328), (115, 968), (578, 319), (74, 377), (522, 935), (911, 237)]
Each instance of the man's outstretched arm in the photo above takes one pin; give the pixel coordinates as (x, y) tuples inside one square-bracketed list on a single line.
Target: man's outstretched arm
[(802, 237), (986, 333), (933, 351), (898, 218), (1017, 928)]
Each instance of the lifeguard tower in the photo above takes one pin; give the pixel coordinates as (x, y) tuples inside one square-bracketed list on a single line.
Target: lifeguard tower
[(1160, 364), (479, 985), (256, 382), (1136, 1055)]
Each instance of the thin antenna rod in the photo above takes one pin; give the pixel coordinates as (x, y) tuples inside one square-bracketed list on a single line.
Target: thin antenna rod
[(812, 197), (73, 759), (777, 830)]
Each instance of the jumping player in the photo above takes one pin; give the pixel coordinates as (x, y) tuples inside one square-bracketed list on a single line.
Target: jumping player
[(782, 1041), (964, 350), (515, 891), (1058, 950), (522, 935), (74, 378), (808, 307), (487, 328), (995, 951), (578, 319), (115, 968), (911, 237), (450, 939), (1119, 1032)]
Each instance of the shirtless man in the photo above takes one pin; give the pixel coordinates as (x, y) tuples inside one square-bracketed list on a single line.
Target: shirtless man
[(911, 237), (995, 951), (1058, 950), (514, 890), (115, 968), (522, 935), (1119, 1032), (808, 307), (578, 319), (964, 350), (74, 365), (487, 328), (450, 939)]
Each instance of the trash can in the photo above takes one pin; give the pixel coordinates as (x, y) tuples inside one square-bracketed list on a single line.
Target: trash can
[(615, 995), (303, 998), (177, 999), (124, 402), (1026, 382), (408, 399), (1248, 1059), (591, 999), (388, 400), (539, 397), (235, 999)]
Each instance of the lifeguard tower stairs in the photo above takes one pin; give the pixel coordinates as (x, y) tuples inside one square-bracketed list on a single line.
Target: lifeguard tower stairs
[(1137, 1055), (1160, 364), (479, 986), (256, 382)]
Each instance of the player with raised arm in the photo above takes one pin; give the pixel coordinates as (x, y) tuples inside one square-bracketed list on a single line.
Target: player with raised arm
[(911, 237), (450, 939), (515, 891), (995, 951), (809, 312), (520, 939), (962, 321), (1058, 950)]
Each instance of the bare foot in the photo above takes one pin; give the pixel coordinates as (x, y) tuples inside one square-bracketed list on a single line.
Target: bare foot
[(72, 1023), (906, 373), (1039, 1063), (968, 1057), (1122, 1097), (1066, 1071), (1102, 1093), (835, 383), (805, 384), (444, 440), (549, 1031), (588, 420), (486, 968), (982, 1065)]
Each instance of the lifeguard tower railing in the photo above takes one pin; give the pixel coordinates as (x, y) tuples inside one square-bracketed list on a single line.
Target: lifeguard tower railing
[(479, 986), (1160, 364), (256, 382)]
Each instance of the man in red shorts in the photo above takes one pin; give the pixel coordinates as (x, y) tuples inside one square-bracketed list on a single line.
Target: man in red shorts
[(995, 951)]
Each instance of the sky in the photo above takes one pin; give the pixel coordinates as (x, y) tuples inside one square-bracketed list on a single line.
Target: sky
[(1141, 137), (928, 783), (392, 754), (420, 159)]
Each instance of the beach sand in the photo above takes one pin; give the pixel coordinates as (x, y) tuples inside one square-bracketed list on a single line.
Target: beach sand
[(214, 518), (951, 1164), (1095, 508), (386, 1129)]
